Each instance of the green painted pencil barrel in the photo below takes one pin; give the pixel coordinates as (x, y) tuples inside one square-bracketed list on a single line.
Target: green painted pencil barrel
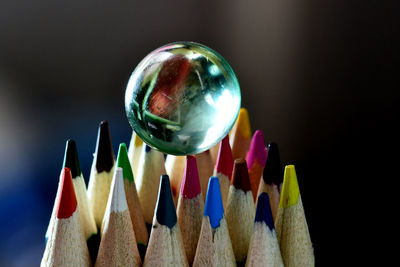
[(182, 98)]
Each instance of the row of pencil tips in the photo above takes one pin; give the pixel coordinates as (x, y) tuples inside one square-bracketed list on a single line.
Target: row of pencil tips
[(205, 212)]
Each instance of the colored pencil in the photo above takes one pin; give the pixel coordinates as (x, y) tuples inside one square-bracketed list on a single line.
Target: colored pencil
[(101, 173), (53, 213), (291, 225), (118, 243), (272, 178), (66, 245), (206, 169), (240, 135), (264, 247), (190, 208), (214, 247), (148, 180), (240, 211), (165, 244), (135, 210), (224, 167), (134, 150), (175, 165), (255, 159), (71, 161)]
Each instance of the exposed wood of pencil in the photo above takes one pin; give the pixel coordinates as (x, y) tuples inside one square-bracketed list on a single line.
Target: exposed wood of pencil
[(165, 245), (223, 168), (240, 211), (214, 152), (134, 151), (67, 237), (264, 248), (118, 243), (148, 180), (71, 161), (214, 247), (206, 169), (291, 225), (175, 165), (135, 210), (190, 208), (101, 173), (272, 178)]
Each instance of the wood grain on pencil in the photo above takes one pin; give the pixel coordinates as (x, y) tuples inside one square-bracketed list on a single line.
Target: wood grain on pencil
[(101, 173), (291, 225), (66, 243), (240, 211), (264, 247), (214, 247), (190, 208), (224, 167), (165, 245), (135, 210), (118, 243)]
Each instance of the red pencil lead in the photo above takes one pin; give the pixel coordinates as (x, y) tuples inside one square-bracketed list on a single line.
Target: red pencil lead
[(190, 182), (225, 160), (66, 205)]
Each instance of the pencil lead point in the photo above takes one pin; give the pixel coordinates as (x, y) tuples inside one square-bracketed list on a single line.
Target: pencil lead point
[(263, 211), (147, 148), (190, 182), (124, 163), (165, 209), (67, 202), (257, 150), (104, 151), (117, 193), (290, 188), (244, 123), (240, 177), (273, 170), (71, 159), (225, 159), (213, 207)]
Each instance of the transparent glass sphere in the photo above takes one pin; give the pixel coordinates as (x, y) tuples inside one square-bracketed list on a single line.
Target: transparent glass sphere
[(182, 98)]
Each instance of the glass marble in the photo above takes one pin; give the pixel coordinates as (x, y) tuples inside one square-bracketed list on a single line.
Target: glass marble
[(182, 98)]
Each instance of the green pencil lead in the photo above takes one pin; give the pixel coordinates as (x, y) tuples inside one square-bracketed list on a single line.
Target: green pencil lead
[(123, 162)]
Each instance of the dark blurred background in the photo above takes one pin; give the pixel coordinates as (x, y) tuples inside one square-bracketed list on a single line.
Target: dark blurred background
[(318, 77)]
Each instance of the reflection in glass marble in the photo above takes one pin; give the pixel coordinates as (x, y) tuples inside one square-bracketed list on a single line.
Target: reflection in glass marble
[(182, 98)]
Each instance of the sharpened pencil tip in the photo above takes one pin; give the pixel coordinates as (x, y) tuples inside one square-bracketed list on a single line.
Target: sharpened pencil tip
[(225, 159), (190, 187), (165, 209), (213, 207), (240, 177), (263, 211), (273, 170), (104, 151), (71, 159), (147, 148), (290, 188), (67, 202), (257, 151), (124, 163), (244, 123)]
